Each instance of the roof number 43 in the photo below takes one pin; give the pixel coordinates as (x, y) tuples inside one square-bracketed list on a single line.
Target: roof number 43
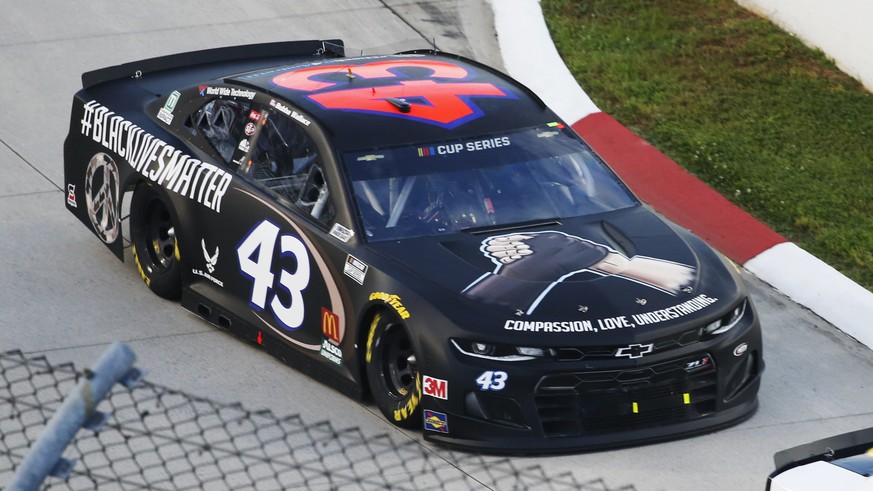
[(255, 254)]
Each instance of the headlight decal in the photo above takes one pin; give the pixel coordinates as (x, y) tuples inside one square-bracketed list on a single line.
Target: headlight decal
[(727, 322), (488, 351)]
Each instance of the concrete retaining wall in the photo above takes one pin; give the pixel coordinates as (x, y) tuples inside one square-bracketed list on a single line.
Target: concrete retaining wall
[(840, 28)]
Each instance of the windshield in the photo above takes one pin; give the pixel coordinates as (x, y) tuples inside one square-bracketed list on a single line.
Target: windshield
[(531, 175)]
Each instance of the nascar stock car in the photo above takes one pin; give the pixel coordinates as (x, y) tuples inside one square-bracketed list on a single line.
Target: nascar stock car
[(418, 228)]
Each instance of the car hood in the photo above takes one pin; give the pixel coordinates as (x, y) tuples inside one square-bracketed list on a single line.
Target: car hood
[(626, 270)]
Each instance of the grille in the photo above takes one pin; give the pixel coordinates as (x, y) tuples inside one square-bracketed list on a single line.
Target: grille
[(608, 352), (621, 400)]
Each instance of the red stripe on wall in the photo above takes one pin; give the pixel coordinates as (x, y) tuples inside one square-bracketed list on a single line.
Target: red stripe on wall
[(670, 189)]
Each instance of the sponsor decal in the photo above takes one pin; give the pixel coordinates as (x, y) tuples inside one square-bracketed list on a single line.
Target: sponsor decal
[(355, 269), (492, 380), (211, 262), (634, 350), (71, 195), (330, 325), (250, 129), (549, 257), (434, 421), (158, 161), (165, 114), (102, 196), (471, 146), (393, 301), (741, 349), (332, 352), (342, 233), (435, 387), (435, 90), (243, 146), (227, 92), (254, 115), (370, 158)]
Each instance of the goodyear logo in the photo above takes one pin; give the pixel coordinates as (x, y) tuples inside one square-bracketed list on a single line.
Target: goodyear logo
[(406, 411), (393, 301), (434, 421)]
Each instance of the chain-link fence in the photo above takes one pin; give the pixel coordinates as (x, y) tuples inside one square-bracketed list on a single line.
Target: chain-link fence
[(158, 438)]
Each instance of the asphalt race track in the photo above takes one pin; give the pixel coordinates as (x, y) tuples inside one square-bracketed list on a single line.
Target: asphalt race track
[(64, 295)]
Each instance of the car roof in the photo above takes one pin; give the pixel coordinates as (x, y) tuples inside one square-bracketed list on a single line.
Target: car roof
[(378, 101)]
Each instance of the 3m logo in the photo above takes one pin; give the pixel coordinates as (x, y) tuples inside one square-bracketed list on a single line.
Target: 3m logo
[(435, 387), (434, 90), (330, 325)]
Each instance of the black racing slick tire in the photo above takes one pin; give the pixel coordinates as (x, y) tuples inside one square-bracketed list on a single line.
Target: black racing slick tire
[(154, 244), (392, 370)]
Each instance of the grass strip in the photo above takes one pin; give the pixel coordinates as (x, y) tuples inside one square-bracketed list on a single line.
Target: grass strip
[(769, 123)]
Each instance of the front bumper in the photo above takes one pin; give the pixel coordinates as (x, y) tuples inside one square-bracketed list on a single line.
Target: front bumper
[(687, 388)]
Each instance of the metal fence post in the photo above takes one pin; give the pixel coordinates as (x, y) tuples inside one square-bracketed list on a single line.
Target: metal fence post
[(78, 410)]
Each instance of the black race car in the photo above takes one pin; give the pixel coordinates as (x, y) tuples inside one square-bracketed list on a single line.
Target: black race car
[(420, 228)]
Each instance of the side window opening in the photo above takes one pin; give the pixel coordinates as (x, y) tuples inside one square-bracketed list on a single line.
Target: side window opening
[(285, 160), (220, 121)]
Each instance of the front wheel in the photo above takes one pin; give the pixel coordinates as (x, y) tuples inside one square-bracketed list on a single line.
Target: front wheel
[(392, 370), (155, 247)]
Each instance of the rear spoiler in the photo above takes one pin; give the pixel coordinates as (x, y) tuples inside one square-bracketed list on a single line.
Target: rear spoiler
[(136, 69)]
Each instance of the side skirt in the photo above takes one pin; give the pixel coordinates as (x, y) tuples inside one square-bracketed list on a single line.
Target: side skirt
[(272, 344)]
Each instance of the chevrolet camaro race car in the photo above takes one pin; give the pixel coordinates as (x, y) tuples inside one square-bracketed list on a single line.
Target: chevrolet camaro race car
[(418, 228)]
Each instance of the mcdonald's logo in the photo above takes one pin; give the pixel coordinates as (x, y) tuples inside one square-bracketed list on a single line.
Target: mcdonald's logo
[(330, 325)]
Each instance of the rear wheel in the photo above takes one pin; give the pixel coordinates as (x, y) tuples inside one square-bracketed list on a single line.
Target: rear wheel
[(392, 370), (155, 248)]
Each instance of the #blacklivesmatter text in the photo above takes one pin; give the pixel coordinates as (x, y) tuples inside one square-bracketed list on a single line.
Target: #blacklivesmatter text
[(156, 160)]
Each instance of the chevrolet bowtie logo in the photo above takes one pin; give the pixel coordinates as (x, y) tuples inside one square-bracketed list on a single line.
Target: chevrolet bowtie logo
[(634, 350)]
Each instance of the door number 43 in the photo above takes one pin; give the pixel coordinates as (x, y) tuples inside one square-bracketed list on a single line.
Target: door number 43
[(492, 380), (255, 254)]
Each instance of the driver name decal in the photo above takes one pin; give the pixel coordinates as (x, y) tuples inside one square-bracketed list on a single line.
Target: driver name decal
[(440, 97)]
